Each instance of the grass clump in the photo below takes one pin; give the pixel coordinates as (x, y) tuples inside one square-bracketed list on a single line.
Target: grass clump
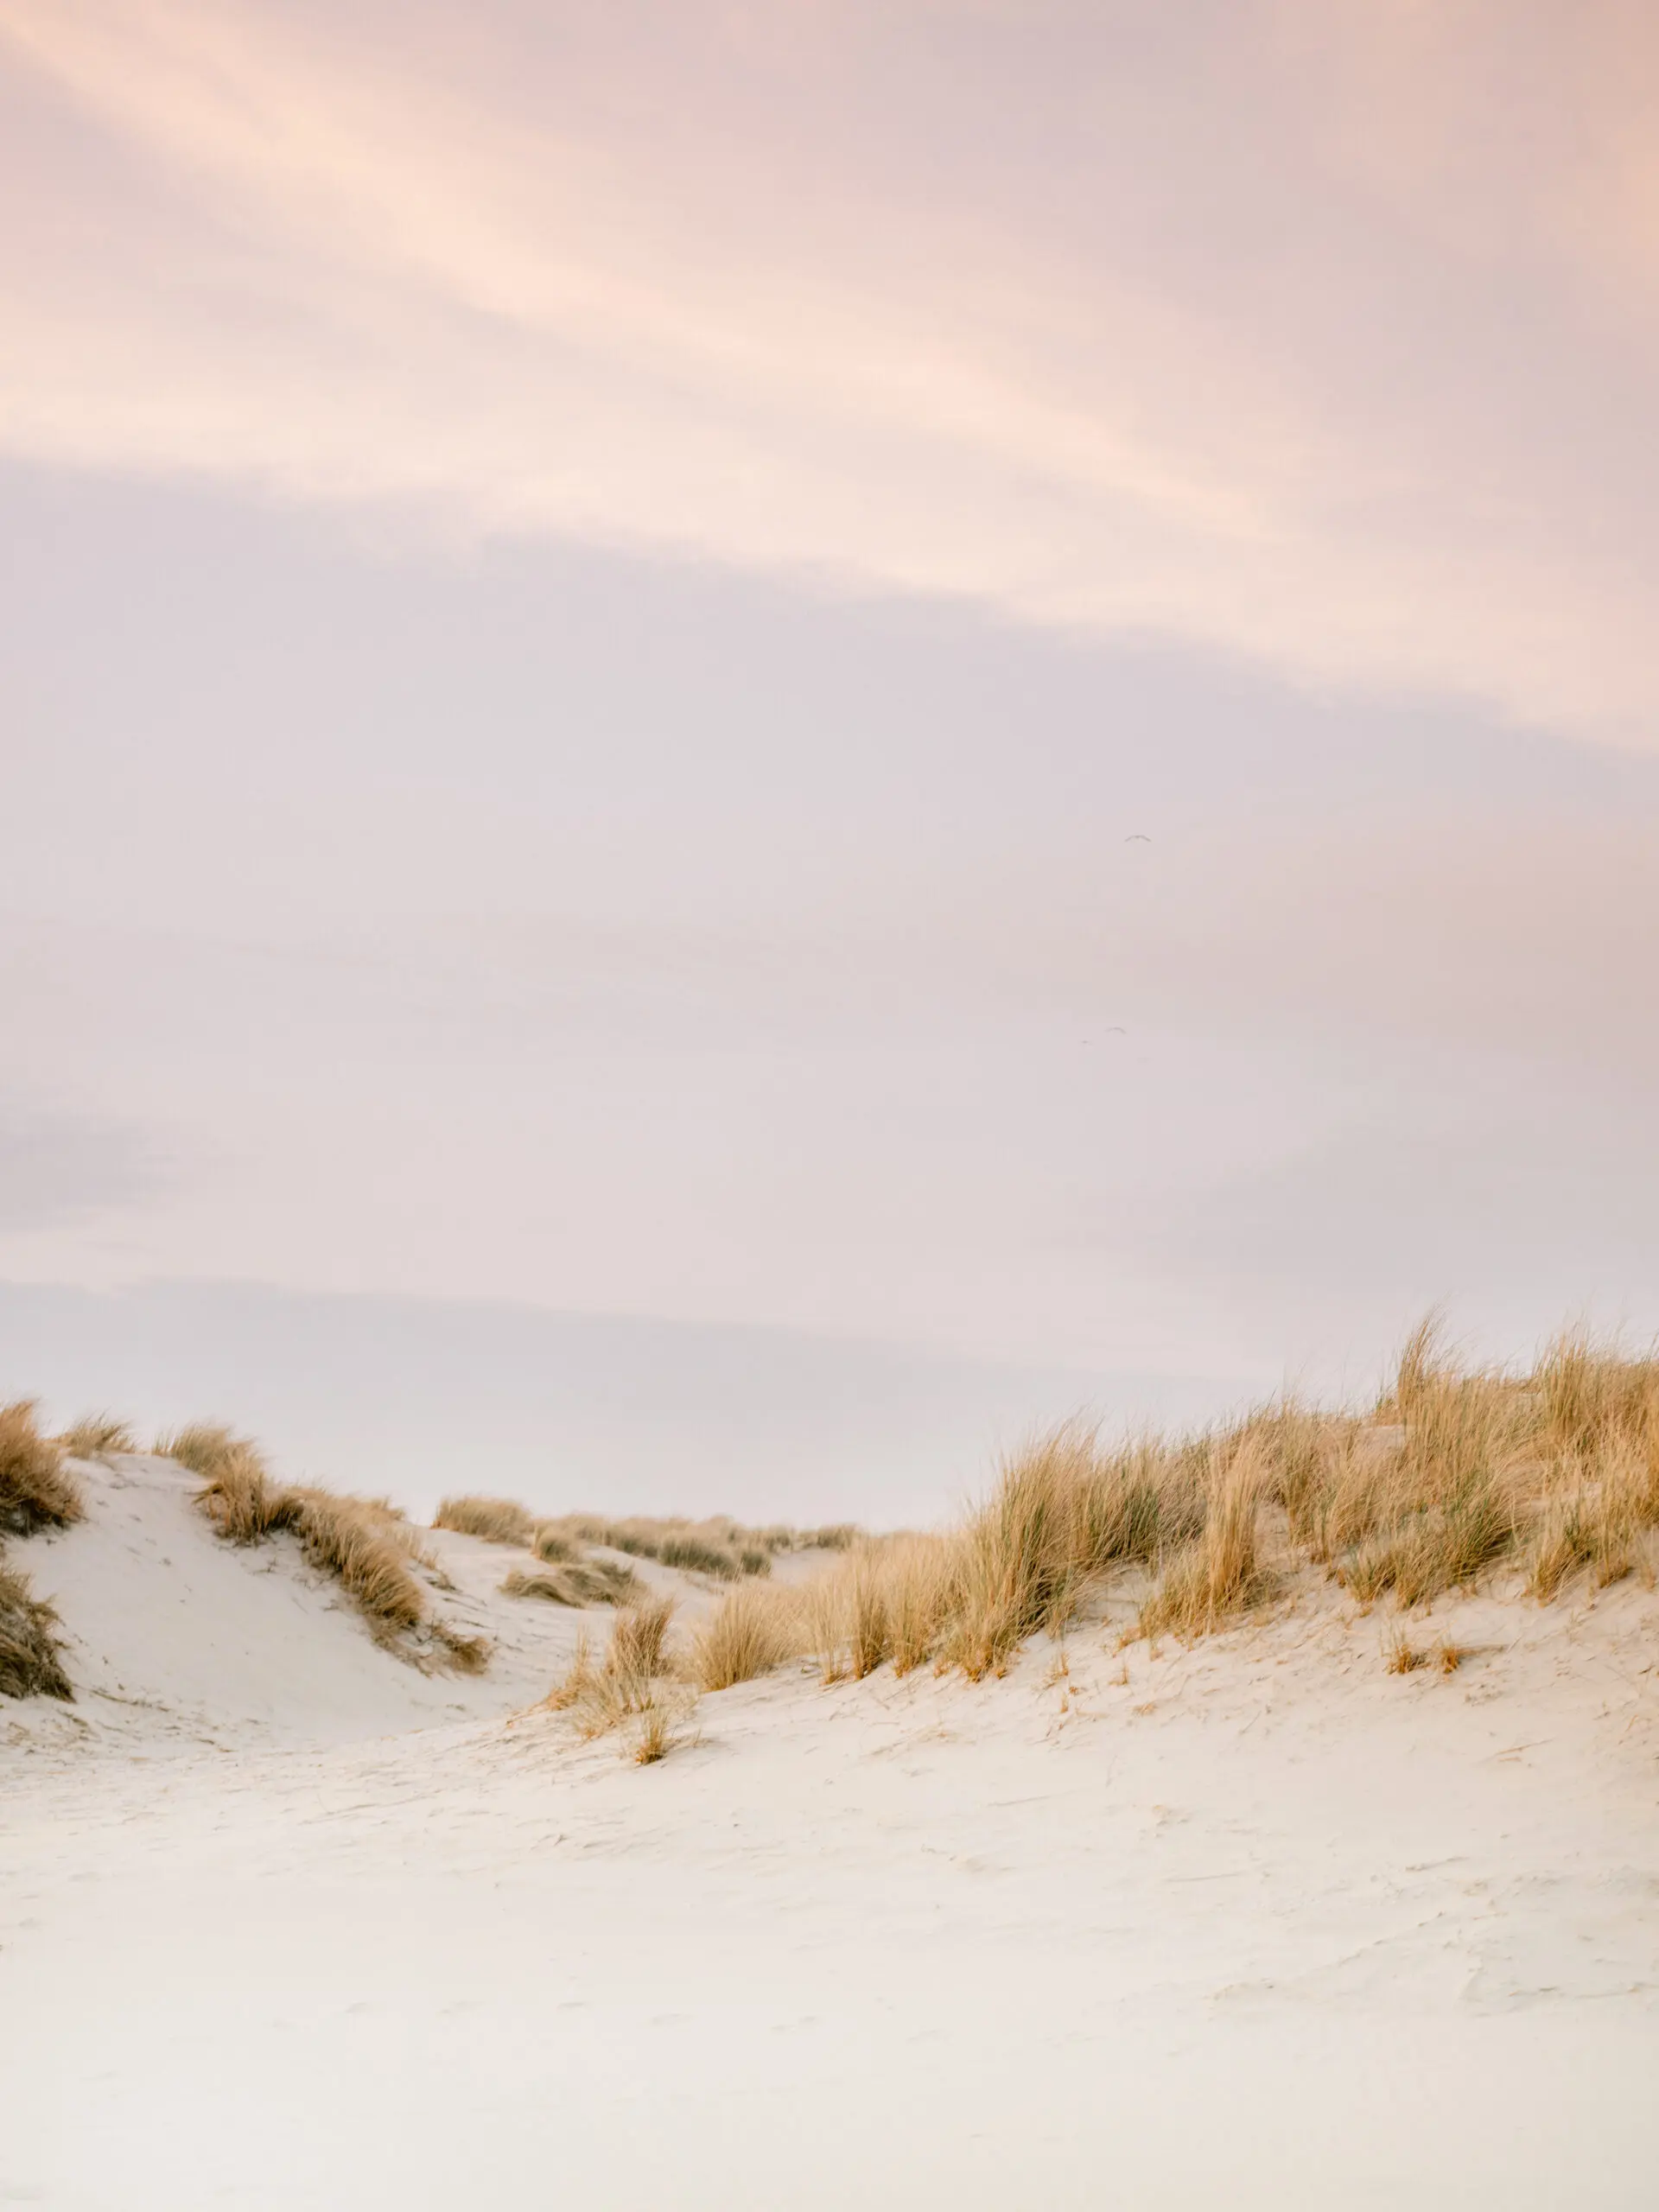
[(238, 1494), (95, 1434), (1455, 1474), (345, 1537), (465, 1655), (837, 1536), (200, 1444), (752, 1629), (496, 1520), (1401, 1656), (364, 1544), (36, 1490), (576, 1582), (1219, 1575), (655, 1735), (1594, 1528), (630, 1684), (694, 1555), (30, 1653), (718, 1547)]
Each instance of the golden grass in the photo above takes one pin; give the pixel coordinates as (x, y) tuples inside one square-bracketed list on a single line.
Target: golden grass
[(719, 1546), (36, 1490), (1219, 1575), (1529, 1480), (238, 1494), (573, 1683), (467, 1655), (1456, 1476), (30, 1665), (630, 1684), (1593, 1528), (1401, 1656), (365, 1543), (200, 1444), (93, 1434), (341, 1538), (753, 1629), (639, 1637), (655, 1735), (575, 1582), (496, 1520)]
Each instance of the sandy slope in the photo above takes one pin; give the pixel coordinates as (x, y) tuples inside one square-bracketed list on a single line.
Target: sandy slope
[(1260, 1924), (177, 1638)]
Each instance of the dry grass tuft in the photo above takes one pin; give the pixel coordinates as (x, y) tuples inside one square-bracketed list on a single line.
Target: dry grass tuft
[(467, 1655), (1400, 1657), (496, 1520), (31, 1664), (36, 1490), (1457, 1474), (572, 1685), (657, 1734), (719, 1546), (752, 1629), (639, 1637), (579, 1582), (95, 1434), (837, 1536), (630, 1683), (1219, 1576), (1595, 1526), (895, 1598), (342, 1538), (694, 1555), (238, 1494), (200, 1444), (920, 1581), (365, 1543)]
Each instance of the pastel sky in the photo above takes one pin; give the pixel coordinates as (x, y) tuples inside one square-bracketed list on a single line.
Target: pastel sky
[(744, 743)]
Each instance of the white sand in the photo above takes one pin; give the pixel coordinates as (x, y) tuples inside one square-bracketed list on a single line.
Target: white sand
[(299, 1927)]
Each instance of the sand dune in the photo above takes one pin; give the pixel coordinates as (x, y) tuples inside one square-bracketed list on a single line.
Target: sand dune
[(175, 1639), (286, 1921)]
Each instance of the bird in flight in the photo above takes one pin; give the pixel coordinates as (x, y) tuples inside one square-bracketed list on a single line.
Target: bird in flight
[(1137, 837)]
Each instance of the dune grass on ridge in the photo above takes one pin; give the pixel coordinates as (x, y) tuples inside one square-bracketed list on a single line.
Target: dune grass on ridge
[(634, 1683), (365, 1543), (493, 1520), (1456, 1474), (95, 1434), (36, 1490), (575, 1582), (725, 1550), (30, 1652)]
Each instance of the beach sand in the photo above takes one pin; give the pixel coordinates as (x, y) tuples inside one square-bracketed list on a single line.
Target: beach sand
[(286, 1923)]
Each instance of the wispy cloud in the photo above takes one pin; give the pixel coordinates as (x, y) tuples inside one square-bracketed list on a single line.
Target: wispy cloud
[(1327, 334)]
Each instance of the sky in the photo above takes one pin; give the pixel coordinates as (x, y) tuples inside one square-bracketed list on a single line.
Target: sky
[(741, 746)]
